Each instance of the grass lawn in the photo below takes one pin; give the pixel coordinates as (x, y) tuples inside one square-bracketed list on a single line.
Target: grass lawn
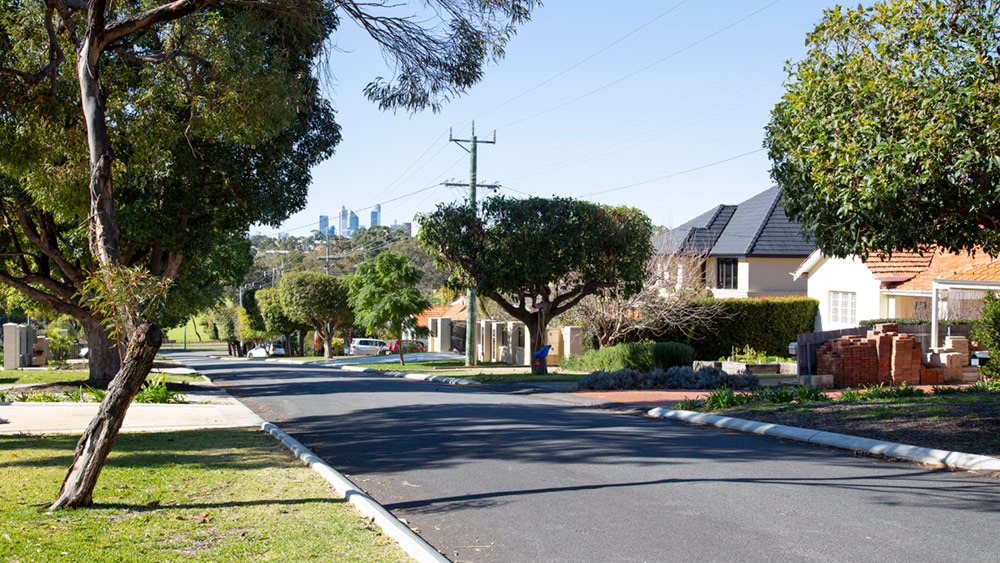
[(209, 495), (8, 377)]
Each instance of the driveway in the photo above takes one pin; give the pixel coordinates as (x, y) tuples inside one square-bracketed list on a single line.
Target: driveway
[(494, 477)]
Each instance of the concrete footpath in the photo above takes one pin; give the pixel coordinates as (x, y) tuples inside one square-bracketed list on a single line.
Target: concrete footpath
[(208, 408)]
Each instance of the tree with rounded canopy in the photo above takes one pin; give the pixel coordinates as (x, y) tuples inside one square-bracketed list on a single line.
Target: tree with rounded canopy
[(317, 300), (888, 137), (383, 292), (537, 258), (276, 319)]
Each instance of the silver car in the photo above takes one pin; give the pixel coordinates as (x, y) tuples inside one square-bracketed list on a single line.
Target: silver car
[(366, 347)]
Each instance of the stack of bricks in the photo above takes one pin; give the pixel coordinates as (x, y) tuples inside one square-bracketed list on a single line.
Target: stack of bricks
[(954, 357), (883, 356)]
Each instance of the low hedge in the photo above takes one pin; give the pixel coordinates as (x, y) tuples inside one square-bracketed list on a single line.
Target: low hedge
[(641, 356), (677, 377), (917, 322), (766, 324)]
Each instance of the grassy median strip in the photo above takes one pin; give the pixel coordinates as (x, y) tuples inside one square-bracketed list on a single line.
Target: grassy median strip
[(207, 495)]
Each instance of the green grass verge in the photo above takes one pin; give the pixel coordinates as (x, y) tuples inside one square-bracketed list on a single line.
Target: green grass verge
[(21, 377), (211, 495)]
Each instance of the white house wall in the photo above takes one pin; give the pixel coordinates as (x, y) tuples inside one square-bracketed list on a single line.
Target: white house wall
[(849, 275), (773, 277)]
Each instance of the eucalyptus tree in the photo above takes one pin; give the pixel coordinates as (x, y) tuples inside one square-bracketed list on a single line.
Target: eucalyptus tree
[(94, 90)]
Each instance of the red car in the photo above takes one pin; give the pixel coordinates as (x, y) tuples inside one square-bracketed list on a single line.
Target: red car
[(408, 346)]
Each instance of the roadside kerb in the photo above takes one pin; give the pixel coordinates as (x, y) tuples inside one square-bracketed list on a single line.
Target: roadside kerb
[(414, 545), (955, 460), (414, 376)]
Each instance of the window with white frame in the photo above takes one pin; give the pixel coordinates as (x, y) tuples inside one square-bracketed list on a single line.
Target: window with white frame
[(843, 307), (727, 269)]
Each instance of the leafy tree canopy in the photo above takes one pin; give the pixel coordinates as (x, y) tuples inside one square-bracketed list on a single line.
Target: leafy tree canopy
[(384, 295), (316, 300), (888, 137), (537, 258)]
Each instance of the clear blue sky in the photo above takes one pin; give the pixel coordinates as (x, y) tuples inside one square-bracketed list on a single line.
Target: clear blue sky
[(687, 89)]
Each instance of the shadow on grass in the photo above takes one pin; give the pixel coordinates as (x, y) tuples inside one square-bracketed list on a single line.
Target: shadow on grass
[(154, 507), (221, 448)]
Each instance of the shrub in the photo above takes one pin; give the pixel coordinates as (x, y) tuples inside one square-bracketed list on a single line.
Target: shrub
[(677, 377), (725, 398), (915, 322), (765, 324), (987, 332), (639, 356), (157, 392), (672, 354), (689, 405)]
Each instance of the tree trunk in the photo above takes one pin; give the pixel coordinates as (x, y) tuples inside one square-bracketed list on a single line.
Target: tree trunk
[(326, 345), (401, 348), (102, 357), (538, 339), (94, 446)]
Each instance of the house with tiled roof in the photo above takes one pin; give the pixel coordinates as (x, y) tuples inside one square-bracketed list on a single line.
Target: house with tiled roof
[(852, 289), (743, 250)]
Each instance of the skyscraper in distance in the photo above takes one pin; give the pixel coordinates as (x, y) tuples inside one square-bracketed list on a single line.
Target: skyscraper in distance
[(324, 224), (345, 225), (377, 215)]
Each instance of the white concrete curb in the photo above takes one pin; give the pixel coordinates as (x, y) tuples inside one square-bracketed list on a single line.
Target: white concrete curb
[(413, 376), (956, 460), (408, 540)]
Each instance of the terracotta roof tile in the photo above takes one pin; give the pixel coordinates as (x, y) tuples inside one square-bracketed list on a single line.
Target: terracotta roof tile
[(921, 271), (899, 265), (983, 272)]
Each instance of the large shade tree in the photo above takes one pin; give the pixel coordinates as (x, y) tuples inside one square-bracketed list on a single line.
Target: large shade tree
[(537, 258), (189, 179), (383, 292), (888, 137), (65, 66)]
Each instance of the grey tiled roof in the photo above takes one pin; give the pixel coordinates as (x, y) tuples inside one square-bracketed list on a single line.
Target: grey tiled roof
[(756, 227)]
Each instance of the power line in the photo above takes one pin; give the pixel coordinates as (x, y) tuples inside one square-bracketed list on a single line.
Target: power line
[(645, 68), (585, 59), (675, 174), (641, 139)]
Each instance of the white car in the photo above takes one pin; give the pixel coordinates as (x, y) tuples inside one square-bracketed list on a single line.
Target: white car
[(258, 352), (275, 350), (367, 347)]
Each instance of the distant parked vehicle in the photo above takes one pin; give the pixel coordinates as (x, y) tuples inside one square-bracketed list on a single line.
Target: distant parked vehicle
[(276, 350), (408, 346), (367, 346), (258, 352)]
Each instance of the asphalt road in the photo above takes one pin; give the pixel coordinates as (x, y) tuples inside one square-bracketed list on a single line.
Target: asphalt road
[(496, 477)]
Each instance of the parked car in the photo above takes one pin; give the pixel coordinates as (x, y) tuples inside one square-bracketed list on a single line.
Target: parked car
[(276, 350), (258, 352), (408, 346), (366, 346)]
